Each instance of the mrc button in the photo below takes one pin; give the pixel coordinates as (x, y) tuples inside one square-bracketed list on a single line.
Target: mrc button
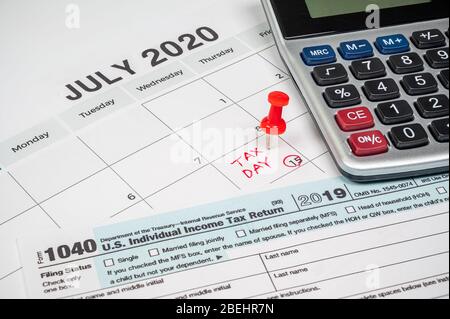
[(318, 55), (368, 143), (355, 119)]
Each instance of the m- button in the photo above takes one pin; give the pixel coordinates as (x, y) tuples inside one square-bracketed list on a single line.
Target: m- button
[(355, 119)]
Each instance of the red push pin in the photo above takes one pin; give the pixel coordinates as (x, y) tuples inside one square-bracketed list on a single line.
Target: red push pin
[(274, 123)]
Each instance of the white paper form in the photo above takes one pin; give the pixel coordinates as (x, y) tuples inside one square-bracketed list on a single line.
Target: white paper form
[(131, 148), (328, 239)]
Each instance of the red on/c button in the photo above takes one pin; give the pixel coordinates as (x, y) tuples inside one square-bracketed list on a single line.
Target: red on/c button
[(368, 143), (355, 119)]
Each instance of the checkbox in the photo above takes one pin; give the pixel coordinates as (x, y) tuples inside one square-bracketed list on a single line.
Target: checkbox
[(350, 209), (441, 190), (153, 252), (108, 262), (241, 234)]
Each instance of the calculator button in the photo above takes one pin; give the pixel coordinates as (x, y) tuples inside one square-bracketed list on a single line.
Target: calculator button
[(368, 143), (440, 130), (353, 50), (409, 136), (437, 58), (342, 96), (355, 119), (330, 74), (444, 78), (428, 39), (406, 63), (381, 90), (392, 44), (397, 112), (368, 69), (317, 55), (433, 106), (420, 84)]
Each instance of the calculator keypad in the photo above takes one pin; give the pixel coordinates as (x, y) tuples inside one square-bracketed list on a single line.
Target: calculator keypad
[(399, 83), (368, 143), (406, 63), (440, 130), (381, 90), (342, 96), (409, 136), (430, 107), (444, 77), (353, 50), (397, 112), (330, 74), (355, 119), (420, 84), (392, 44), (427, 39), (437, 58), (368, 69), (318, 55)]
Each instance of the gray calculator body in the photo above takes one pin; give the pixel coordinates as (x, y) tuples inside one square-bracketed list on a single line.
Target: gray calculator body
[(429, 158)]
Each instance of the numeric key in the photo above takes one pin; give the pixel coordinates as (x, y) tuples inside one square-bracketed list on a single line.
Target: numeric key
[(409, 136), (406, 63), (342, 96), (368, 69), (440, 130), (438, 58), (427, 39), (420, 84), (444, 77), (381, 90), (330, 74), (395, 112), (433, 106)]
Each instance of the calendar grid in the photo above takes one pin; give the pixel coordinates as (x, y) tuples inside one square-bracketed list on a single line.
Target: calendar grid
[(265, 89), (34, 200), (243, 109), (160, 190), (18, 215), (270, 62), (190, 146), (159, 140), (294, 170), (115, 172), (11, 273)]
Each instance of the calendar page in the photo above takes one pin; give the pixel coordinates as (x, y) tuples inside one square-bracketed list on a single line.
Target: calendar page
[(137, 111)]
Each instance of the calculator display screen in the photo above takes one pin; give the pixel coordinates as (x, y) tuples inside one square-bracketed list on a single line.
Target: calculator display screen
[(326, 8), (312, 18)]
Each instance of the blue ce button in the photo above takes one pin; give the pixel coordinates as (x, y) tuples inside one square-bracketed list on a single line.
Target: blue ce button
[(391, 44), (318, 55)]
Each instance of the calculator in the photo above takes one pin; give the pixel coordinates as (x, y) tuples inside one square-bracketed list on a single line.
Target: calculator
[(374, 75)]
